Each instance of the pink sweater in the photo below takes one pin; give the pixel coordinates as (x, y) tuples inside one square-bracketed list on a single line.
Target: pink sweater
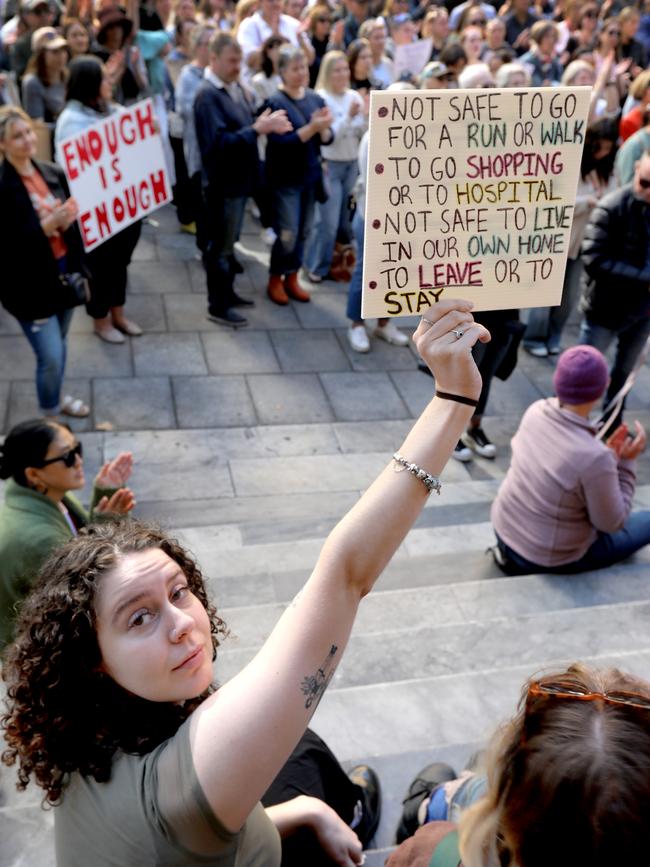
[(562, 487)]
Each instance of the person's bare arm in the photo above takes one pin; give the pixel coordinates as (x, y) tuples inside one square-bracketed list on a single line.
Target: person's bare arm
[(243, 734)]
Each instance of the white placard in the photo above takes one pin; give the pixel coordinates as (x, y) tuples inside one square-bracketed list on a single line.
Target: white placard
[(116, 172), (470, 193)]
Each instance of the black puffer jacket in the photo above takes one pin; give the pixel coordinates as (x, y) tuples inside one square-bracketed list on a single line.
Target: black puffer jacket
[(30, 287), (616, 256)]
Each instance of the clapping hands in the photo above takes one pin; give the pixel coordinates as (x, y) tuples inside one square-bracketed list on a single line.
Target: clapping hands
[(624, 445), (115, 473)]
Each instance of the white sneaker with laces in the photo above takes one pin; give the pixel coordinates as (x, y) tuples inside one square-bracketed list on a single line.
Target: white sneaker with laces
[(268, 236), (391, 334), (358, 338)]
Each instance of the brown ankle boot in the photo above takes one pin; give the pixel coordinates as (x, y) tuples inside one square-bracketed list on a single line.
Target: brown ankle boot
[(294, 289), (276, 291)]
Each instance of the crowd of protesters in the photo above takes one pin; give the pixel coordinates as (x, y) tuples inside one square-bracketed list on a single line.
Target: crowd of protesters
[(265, 103)]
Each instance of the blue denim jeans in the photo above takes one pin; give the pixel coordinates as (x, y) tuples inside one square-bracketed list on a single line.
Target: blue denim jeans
[(47, 338), (293, 211), (630, 341), (609, 548), (331, 216), (545, 324), (354, 291)]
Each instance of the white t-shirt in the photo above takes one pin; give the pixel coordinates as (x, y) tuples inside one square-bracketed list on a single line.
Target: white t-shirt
[(254, 31), (347, 131)]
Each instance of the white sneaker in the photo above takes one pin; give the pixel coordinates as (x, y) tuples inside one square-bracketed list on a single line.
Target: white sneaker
[(391, 334), (268, 236), (358, 338)]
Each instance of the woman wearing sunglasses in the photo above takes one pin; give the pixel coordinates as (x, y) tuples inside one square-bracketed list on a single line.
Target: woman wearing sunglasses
[(43, 462), (565, 783)]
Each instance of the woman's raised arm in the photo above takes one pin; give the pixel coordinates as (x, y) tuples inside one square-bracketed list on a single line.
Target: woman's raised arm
[(242, 735)]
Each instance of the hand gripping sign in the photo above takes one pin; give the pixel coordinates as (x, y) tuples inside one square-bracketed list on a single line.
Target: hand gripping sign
[(116, 172), (470, 193)]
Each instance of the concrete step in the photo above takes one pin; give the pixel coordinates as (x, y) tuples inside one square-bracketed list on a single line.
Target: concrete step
[(470, 628)]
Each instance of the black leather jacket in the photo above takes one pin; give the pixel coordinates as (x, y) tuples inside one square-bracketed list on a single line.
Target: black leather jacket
[(616, 256), (30, 287)]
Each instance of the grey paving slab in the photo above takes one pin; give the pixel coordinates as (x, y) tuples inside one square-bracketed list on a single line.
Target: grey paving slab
[(169, 354), (271, 317), (239, 351), (362, 396), (4, 403), (146, 310), (303, 474), (293, 398), (310, 351), (17, 361), (146, 251), (225, 592), (187, 312), (213, 401), (8, 323), (23, 403), (254, 515), (139, 403), (175, 246), (153, 277), (90, 356), (382, 355), (185, 446), (165, 482), (378, 436), (415, 388), (512, 396), (323, 311)]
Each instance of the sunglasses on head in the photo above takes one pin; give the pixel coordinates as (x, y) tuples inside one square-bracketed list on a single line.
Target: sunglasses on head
[(574, 691), (69, 458)]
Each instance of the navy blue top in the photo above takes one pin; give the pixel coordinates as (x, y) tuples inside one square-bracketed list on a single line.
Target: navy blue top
[(289, 161)]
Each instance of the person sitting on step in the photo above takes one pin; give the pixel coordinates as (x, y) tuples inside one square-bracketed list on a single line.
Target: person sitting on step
[(564, 783), (565, 504)]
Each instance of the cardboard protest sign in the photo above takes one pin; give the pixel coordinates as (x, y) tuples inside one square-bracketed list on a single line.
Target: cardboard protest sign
[(116, 172), (470, 193), (412, 58)]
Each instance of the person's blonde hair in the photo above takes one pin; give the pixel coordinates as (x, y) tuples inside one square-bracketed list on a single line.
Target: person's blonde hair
[(640, 84), (627, 14), (244, 9), (9, 114), (567, 779), (574, 69), (326, 66)]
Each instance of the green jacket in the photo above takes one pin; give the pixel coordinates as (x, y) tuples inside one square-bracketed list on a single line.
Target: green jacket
[(31, 526)]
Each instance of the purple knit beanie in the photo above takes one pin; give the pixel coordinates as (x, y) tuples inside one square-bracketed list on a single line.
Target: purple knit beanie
[(581, 375)]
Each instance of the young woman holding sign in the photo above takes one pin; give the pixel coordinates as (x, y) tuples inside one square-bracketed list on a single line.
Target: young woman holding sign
[(40, 236), (88, 100), (148, 762)]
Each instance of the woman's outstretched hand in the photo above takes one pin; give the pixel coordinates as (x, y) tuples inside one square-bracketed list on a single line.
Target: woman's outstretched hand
[(447, 354), (115, 473), (120, 503)]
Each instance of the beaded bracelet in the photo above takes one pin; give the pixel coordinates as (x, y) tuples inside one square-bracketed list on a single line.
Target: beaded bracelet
[(431, 483)]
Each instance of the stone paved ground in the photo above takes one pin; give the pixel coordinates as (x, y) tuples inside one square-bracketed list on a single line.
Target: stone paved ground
[(251, 445)]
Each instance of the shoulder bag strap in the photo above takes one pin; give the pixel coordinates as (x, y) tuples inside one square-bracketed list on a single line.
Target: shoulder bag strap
[(446, 853)]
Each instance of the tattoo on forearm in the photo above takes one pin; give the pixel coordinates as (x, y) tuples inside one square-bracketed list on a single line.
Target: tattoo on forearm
[(314, 685)]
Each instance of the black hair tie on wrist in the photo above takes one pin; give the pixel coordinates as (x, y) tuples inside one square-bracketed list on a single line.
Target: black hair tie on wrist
[(445, 395)]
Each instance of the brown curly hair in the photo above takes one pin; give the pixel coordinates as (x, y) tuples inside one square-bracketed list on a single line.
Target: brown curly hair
[(63, 714)]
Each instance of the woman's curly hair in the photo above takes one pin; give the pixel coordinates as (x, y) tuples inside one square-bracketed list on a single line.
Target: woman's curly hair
[(63, 713)]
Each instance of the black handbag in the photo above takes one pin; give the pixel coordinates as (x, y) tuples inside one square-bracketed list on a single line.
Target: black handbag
[(74, 289)]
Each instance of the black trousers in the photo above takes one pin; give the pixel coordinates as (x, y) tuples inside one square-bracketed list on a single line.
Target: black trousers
[(488, 356), (312, 769), (108, 266), (182, 193)]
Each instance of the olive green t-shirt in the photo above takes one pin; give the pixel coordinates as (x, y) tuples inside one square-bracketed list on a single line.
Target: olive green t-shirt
[(153, 811)]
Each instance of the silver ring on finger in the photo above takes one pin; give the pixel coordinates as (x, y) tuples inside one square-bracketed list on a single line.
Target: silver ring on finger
[(458, 333)]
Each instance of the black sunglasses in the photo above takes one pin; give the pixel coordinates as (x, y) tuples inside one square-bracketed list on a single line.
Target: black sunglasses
[(613, 32), (479, 22), (590, 13), (69, 458), (644, 184)]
